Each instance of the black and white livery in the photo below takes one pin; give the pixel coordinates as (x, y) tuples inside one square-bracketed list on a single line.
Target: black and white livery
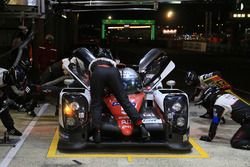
[(165, 111)]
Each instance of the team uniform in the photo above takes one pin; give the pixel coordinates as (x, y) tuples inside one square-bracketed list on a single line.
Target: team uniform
[(4, 110), (192, 79), (106, 75), (240, 113)]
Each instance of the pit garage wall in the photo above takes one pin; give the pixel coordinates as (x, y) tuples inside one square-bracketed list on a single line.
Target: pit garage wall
[(242, 50), (65, 32), (194, 46), (129, 22)]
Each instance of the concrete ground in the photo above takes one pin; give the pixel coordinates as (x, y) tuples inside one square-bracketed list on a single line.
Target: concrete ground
[(37, 147)]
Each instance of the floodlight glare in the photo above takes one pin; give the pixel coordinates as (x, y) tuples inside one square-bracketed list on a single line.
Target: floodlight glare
[(170, 14)]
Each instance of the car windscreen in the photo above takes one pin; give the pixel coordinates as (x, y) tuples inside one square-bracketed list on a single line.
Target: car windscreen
[(154, 69), (79, 74)]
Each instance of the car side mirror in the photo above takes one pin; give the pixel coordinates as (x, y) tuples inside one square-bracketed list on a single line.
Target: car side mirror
[(67, 82), (171, 83)]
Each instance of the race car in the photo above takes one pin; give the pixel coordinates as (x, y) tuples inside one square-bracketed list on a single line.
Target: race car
[(165, 111)]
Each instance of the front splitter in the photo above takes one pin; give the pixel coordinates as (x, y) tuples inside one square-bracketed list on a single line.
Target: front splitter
[(197, 152)]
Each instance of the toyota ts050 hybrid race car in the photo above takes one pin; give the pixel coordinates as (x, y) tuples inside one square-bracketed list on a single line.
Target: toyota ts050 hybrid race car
[(164, 110)]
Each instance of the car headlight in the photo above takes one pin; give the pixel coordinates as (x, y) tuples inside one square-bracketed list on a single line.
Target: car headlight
[(75, 106), (70, 121), (81, 114), (74, 110), (177, 106), (68, 110), (180, 121)]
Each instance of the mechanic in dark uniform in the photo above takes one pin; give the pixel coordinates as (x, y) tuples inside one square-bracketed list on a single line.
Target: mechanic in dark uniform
[(21, 91), (223, 103), (197, 81), (106, 75), (5, 116), (26, 99)]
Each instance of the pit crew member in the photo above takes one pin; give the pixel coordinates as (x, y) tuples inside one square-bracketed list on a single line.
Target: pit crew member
[(5, 116), (104, 74), (197, 81), (223, 103)]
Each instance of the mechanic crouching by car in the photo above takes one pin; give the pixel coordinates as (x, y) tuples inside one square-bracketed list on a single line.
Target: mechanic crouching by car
[(5, 116), (197, 81), (223, 103), (20, 90), (104, 74)]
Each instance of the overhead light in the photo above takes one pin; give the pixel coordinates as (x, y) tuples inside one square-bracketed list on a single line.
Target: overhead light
[(138, 27), (64, 15), (126, 25), (248, 15), (241, 6), (234, 15), (170, 14), (175, 2), (169, 31), (111, 28)]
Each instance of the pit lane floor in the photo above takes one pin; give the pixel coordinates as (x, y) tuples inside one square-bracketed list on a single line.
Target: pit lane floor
[(37, 147)]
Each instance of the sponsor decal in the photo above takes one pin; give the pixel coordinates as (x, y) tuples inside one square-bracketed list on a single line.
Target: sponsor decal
[(151, 121), (116, 103), (126, 122), (126, 127), (123, 117), (148, 114)]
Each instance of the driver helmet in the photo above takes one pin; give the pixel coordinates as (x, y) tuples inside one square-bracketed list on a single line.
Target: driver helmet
[(131, 80), (78, 62), (211, 94), (192, 78)]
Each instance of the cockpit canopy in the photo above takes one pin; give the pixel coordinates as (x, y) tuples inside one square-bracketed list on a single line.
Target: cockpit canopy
[(131, 80)]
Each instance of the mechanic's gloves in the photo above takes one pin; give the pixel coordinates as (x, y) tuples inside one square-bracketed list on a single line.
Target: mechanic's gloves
[(205, 138)]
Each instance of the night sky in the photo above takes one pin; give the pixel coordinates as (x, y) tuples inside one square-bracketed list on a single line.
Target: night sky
[(187, 15)]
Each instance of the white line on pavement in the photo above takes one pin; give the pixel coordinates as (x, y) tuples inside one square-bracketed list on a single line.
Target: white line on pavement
[(12, 152)]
